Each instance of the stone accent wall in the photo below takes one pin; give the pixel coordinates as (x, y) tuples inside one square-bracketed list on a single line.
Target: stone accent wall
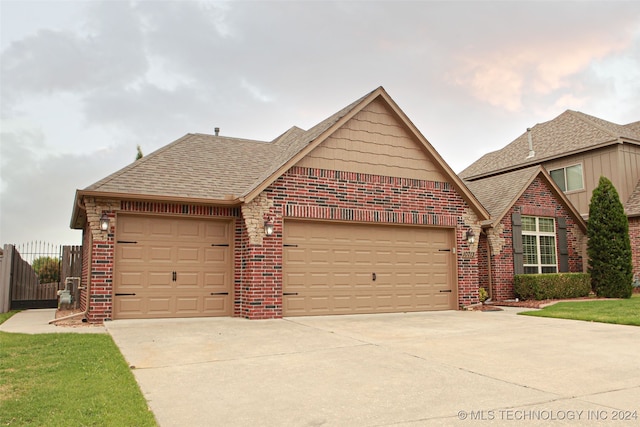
[(537, 200), (255, 213)]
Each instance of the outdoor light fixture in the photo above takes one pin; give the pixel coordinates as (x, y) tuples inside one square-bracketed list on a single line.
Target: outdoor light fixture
[(470, 237), (104, 222), (268, 227)]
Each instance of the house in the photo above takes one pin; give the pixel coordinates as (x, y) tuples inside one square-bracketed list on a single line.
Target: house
[(533, 229), (358, 214), (576, 149)]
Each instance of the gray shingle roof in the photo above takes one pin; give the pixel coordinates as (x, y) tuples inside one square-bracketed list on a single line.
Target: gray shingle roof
[(632, 206), (211, 167), (568, 133), (499, 192)]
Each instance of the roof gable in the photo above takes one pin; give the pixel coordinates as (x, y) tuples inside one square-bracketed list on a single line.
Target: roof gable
[(571, 132), (330, 127), (499, 193)]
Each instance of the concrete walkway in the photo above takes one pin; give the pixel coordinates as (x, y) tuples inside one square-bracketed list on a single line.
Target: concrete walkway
[(437, 368), (36, 321)]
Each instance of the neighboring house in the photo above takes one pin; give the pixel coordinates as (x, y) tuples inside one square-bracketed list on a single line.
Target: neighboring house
[(533, 229), (576, 149), (359, 214)]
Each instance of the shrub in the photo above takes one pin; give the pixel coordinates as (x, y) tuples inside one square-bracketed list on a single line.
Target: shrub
[(47, 269), (551, 286), (609, 245)]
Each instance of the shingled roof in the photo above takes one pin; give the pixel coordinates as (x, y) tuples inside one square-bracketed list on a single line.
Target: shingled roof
[(632, 206), (569, 133), (208, 167), (498, 193), (221, 170)]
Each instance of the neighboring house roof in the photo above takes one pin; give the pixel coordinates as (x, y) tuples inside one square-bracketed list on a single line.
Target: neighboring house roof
[(499, 193), (222, 170), (632, 206), (569, 133)]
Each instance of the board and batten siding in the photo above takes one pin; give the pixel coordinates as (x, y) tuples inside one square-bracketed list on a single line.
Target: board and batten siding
[(374, 142), (620, 163)]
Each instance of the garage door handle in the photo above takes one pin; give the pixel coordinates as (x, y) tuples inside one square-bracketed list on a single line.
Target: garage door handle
[(289, 293), (226, 245), (174, 276), (445, 290), (124, 295), (219, 293), (373, 276)]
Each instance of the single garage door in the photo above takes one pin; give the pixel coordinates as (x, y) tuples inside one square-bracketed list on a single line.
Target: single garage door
[(333, 268), (172, 267)]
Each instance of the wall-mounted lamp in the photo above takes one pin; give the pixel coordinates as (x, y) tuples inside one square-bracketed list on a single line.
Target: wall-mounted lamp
[(268, 227), (470, 237), (104, 222)]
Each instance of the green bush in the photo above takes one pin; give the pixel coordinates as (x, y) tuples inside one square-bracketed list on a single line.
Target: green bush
[(551, 286)]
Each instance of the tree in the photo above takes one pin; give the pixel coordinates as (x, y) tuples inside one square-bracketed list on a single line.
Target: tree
[(609, 245), (139, 154), (47, 269)]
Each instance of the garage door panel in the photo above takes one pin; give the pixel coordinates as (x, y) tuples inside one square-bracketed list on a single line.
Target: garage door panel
[(409, 269), (172, 267)]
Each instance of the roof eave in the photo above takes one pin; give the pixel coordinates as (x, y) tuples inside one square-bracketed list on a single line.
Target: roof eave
[(545, 159)]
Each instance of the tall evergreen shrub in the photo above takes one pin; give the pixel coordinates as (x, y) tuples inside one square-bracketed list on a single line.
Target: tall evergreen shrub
[(609, 245)]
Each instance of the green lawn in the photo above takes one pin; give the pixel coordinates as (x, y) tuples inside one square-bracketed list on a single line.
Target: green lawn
[(67, 380), (622, 312)]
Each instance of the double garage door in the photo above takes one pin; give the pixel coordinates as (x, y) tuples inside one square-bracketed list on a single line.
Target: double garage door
[(177, 267), (331, 268), (172, 267)]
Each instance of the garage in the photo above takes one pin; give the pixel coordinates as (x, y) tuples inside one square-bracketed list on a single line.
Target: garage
[(172, 267), (339, 268)]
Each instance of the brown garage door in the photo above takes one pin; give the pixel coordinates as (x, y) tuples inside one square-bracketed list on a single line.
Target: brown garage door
[(172, 267), (342, 269)]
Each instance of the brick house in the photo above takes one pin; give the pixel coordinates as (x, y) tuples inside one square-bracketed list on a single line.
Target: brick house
[(533, 229), (358, 214), (576, 149)]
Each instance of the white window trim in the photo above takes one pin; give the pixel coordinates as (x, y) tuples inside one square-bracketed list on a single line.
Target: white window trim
[(539, 266), (575, 190)]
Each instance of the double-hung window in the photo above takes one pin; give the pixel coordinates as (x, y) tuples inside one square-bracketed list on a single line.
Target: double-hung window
[(539, 245), (568, 178)]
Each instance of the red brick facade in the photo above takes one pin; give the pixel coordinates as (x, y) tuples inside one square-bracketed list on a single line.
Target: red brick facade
[(537, 200), (634, 234), (300, 193)]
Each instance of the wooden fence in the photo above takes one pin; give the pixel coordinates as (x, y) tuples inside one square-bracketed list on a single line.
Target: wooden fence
[(20, 285)]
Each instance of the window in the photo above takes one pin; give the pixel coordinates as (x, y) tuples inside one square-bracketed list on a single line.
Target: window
[(539, 245), (569, 178)]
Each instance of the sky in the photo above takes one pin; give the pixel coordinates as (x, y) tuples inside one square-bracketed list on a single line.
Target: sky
[(83, 83)]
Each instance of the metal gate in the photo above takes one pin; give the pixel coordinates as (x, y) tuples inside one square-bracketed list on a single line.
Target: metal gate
[(32, 274)]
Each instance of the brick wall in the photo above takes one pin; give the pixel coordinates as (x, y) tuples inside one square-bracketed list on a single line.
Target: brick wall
[(345, 196), (634, 234), (299, 193), (537, 200)]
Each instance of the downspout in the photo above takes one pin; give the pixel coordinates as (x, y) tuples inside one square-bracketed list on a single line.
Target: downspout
[(489, 270)]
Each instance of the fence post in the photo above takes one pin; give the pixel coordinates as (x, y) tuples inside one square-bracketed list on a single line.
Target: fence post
[(6, 261)]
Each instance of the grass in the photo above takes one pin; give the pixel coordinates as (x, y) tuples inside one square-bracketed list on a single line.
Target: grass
[(67, 380), (621, 312)]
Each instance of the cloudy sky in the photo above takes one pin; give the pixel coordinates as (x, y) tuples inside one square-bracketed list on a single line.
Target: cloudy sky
[(84, 82)]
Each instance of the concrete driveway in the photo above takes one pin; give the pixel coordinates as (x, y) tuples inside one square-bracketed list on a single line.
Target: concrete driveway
[(437, 368)]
